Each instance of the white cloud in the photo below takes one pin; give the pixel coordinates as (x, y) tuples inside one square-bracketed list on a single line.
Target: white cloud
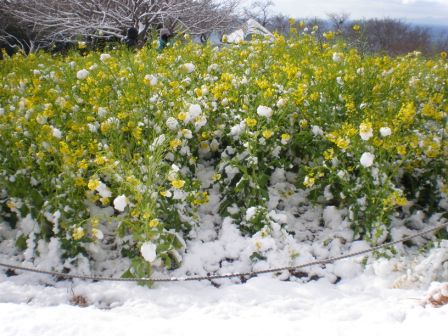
[(428, 10), (407, 2)]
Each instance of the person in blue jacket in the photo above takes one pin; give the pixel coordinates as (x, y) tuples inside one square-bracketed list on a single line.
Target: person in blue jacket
[(164, 37)]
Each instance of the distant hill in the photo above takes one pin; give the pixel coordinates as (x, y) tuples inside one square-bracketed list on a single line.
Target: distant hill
[(437, 28), (438, 32)]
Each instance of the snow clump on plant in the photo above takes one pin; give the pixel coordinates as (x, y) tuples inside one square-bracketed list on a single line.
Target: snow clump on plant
[(367, 159), (105, 57), (194, 111), (172, 123), (120, 203), (365, 131), (82, 74), (264, 111), (151, 80), (385, 131), (188, 67), (148, 251)]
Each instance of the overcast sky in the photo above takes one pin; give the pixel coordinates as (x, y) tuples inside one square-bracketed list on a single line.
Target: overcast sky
[(431, 11)]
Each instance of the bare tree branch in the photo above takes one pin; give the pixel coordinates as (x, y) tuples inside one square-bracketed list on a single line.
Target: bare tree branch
[(53, 21), (260, 11)]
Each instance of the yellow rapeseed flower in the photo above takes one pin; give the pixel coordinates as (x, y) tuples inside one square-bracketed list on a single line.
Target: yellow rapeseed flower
[(166, 193), (204, 147), (444, 188), (401, 201), (432, 148), (329, 154), (11, 205), (78, 233), (198, 92), (93, 184), (365, 130), (407, 113), (401, 149), (267, 134), (79, 181), (175, 143), (132, 180), (201, 198), (181, 116), (309, 181), (99, 160), (153, 223), (63, 148), (137, 133), (328, 35), (342, 143), (285, 137), (251, 122), (178, 184), (135, 213), (104, 200)]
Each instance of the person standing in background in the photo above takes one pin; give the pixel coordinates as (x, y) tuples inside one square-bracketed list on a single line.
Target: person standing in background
[(163, 39)]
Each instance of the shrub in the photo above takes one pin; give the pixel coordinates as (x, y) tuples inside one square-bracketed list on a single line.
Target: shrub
[(119, 143)]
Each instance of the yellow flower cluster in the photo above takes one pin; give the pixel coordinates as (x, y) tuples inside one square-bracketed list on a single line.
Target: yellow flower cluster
[(125, 131)]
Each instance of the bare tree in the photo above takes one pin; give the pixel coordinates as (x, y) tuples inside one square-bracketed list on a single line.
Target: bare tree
[(279, 23), (53, 21), (441, 44), (13, 35), (199, 17), (338, 21), (390, 36), (260, 11)]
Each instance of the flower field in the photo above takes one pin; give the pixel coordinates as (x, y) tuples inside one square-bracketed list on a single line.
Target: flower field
[(131, 145)]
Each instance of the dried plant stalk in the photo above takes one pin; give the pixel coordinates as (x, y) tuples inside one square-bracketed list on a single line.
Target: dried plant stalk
[(438, 296)]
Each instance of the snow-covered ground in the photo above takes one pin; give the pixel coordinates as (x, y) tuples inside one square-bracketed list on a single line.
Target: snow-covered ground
[(365, 295), (385, 298), (365, 305)]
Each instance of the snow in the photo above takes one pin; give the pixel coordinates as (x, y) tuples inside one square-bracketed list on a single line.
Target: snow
[(385, 131), (188, 67), (98, 234), (172, 123), (104, 191), (337, 57), (152, 80), (56, 132), (148, 251), (82, 74), (367, 159), (363, 294), (120, 203), (317, 131), (261, 306), (105, 57), (264, 111), (194, 111), (235, 37), (373, 298)]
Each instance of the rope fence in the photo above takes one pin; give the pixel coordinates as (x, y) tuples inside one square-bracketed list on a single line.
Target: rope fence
[(227, 275)]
